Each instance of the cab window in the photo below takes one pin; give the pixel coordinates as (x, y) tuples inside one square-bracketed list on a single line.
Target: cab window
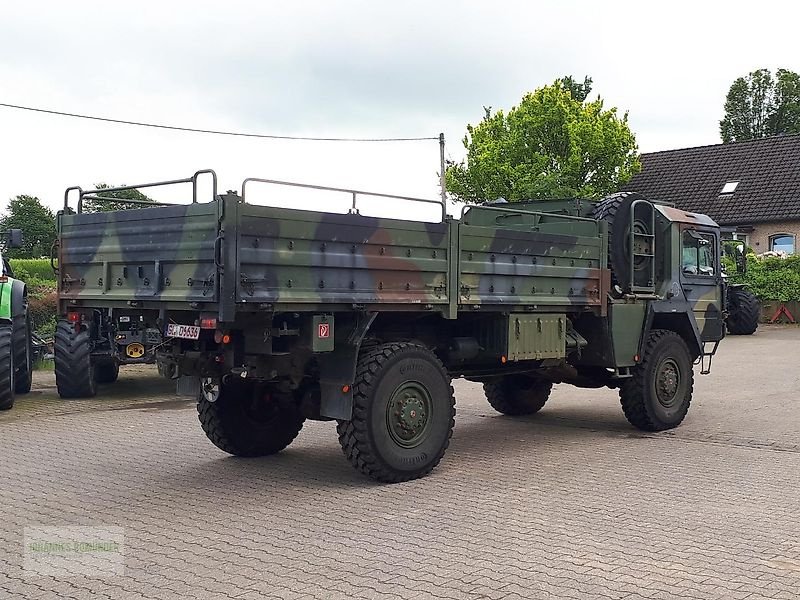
[(698, 253)]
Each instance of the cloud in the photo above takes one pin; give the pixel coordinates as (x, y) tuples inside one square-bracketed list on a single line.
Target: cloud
[(346, 68)]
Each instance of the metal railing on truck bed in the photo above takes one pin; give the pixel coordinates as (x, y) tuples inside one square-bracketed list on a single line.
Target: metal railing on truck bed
[(295, 259)]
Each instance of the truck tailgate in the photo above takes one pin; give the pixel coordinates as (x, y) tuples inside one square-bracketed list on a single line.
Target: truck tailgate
[(150, 254)]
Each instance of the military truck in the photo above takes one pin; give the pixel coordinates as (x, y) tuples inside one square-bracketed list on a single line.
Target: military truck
[(15, 335), (272, 315)]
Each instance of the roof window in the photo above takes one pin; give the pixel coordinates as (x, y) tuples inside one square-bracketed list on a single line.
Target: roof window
[(729, 187)]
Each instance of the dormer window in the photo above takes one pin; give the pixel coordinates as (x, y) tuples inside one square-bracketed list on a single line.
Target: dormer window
[(729, 187)]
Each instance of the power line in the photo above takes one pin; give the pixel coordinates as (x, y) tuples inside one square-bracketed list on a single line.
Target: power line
[(214, 131)]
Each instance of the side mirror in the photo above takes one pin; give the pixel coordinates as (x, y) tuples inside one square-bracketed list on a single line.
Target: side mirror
[(14, 238)]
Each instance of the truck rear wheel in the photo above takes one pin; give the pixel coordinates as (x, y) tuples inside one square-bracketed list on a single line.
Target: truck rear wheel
[(106, 371), (244, 419), (658, 395), (744, 312), (75, 376), (6, 368), (403, 413), (23, 353), (517, 395)]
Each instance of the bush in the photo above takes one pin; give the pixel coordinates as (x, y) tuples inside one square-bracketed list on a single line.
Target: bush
[(772, 278), (43, 309), (27, 268)]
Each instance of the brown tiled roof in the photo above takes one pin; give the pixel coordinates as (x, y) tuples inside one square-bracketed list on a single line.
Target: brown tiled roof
[(768, 172)]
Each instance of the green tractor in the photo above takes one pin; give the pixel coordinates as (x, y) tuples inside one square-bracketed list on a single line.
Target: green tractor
[(15, 335), (742, 307)]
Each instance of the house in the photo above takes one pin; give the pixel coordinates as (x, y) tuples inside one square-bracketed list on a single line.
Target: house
[(751, 189)]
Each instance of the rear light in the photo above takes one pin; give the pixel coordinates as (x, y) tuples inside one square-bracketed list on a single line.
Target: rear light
[(3, 278), (73, 317), (208, 323), (221, 337)]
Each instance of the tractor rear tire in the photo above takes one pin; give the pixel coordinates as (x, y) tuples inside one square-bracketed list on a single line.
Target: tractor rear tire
[(403, 413), (744, 312), (6, 367), (658, 394), (106, 371), (23, 353), (517, 395), (245, 420), (75, 377)]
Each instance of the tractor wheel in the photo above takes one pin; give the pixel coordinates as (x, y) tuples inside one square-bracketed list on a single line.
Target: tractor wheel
[(517, 395), (245, 419), (744, 312), (23, 353), (75, 376), (6, 367), (658, 395), (403, 413), (615, 210), (106, 371)]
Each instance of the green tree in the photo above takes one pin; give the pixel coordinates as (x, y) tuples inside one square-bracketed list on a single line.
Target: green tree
[(553, 145), (760, 105), (579, 91), (38, 225), (104, 205)]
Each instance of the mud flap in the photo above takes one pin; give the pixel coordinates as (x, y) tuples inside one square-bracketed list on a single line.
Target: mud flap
[(337, 369)]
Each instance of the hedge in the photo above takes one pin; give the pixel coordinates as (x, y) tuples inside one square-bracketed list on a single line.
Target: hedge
[(27, 268), (771, 278)]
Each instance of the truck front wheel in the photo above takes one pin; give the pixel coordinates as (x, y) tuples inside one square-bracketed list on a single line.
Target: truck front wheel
[(6, 368), (658, 395), (245, 419), (517, 395), (403, 413), (75, 376)]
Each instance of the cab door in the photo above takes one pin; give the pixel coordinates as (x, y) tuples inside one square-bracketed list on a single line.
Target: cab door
[(702, 280)]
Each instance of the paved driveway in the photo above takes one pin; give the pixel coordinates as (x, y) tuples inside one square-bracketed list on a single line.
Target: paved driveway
[(571, 503)]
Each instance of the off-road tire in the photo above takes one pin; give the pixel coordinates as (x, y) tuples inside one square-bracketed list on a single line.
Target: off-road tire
[(106, 371), (744, 312), (615, 211), (6, 367), (75, 377), (665, 356), (370, 440), (234, 426), (517, 395), (23, 353)]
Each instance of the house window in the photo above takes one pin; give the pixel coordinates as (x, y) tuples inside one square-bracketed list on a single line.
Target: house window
[(698, 253), (734, 235), (782, 242)]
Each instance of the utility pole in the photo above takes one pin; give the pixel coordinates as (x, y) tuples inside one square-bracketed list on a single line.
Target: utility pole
[(442, 167)]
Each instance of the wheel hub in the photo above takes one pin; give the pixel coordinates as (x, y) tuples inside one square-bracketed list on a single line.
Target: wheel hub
[(408, 413), (668, 381)]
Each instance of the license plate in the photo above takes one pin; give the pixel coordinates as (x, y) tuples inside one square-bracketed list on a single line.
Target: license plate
[(187, 332)]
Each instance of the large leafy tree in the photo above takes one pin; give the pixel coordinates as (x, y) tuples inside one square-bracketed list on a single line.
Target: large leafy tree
[(553, 145), (760, 105), (38, 225), (106, 205)]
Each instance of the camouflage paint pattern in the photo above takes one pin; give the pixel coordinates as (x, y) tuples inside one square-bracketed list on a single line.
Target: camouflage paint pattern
[(163, 254), (286, 258)]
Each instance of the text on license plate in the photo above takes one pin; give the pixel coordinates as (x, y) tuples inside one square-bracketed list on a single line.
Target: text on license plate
[(187, 332)]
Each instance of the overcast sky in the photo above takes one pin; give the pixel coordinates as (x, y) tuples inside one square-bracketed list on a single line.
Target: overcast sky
[(347, 68)]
